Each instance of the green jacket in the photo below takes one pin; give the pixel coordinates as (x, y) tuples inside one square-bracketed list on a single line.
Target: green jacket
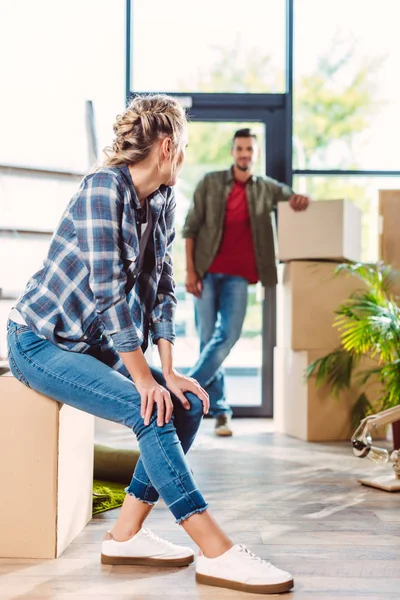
[(205, 220)]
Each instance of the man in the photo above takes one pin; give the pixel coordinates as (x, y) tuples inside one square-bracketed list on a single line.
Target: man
[(229, 244)]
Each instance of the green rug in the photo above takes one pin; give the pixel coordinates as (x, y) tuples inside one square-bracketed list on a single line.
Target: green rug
[(107, 495)]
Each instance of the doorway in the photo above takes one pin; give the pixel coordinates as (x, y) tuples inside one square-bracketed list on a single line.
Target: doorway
[(249, 367)]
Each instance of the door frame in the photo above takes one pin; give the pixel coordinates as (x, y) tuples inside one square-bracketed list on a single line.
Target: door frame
[(271, 111)]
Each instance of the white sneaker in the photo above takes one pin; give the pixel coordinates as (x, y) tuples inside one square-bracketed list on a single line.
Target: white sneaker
[(145, 548), (239, 569)]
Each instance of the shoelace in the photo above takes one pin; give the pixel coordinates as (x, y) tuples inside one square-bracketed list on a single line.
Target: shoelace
[(152, 536), (249, 554)]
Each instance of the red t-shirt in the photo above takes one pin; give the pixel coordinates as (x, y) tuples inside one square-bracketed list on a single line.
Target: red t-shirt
[(236, 252)]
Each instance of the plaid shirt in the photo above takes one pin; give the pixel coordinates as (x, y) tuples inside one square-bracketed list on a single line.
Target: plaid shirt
[(88, 291)]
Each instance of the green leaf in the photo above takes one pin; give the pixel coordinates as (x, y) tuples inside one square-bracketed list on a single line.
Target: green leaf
[(334, 369)]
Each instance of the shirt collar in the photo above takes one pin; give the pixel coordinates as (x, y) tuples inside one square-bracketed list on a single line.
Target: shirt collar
[(230, 178), (128, 179), (158, 197)]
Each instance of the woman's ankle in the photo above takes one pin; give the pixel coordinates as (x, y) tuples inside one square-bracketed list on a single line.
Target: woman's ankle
[(121, 533), (212, 551)]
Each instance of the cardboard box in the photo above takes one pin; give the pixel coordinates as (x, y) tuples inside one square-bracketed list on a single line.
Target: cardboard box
[(305, 411), (308, 293), (389, 238), (46, 472), (327, 230)]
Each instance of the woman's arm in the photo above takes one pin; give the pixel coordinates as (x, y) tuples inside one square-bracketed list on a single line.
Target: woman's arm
[(150, 391), (177, 383), (165, 351), (96, 215)]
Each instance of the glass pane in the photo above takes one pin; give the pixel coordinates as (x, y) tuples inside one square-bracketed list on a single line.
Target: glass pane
[(347, 92), (363, 191), (210, 47), (209, 150)]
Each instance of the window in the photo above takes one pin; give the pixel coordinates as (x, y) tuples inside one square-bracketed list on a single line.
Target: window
[(224, 46), (346, 88)]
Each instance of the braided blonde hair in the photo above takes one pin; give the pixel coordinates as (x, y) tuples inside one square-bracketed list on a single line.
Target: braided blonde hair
[(146, 120)]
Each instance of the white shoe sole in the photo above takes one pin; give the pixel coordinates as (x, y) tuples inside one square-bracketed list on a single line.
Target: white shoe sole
[(147, 561), (273, 588)]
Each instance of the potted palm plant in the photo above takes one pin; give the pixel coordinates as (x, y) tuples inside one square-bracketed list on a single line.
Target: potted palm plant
[(369, 326)]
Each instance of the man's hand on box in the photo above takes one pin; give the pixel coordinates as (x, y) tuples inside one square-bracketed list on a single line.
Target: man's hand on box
[(298, 202)]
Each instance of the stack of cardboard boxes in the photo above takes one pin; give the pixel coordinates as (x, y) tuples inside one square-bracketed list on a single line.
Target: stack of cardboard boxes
[(311, 244), (389, 238)]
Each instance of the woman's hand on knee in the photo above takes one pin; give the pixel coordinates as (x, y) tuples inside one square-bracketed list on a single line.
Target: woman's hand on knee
[(152, 393), (179, 384)]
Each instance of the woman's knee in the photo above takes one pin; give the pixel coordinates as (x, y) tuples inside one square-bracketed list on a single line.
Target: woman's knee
[(196, 406), (140, 429)]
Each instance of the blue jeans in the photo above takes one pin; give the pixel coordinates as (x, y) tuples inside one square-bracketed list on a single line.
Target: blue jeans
[(219, 314), (89, 384)]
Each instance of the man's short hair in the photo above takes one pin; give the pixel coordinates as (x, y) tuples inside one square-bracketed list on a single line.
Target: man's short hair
[(244, 133)]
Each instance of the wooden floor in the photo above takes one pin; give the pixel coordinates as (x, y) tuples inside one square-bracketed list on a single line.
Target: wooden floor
[(297, 504)]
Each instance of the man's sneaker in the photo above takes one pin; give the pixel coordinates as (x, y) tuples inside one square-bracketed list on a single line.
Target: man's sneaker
[(145, 548), (223, 425), (239, 569)]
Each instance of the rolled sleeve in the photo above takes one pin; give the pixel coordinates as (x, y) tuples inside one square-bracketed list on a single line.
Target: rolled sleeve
[(126, 340), (163, 330), (97, 215)]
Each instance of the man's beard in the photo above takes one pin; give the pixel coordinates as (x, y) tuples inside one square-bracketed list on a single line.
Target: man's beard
[(243, 168)]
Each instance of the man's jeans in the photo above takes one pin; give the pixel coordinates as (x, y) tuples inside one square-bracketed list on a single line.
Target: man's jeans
[(219, 314), (86, 382)]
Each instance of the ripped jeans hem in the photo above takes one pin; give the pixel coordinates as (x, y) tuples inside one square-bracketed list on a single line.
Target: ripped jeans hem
[(197, 511), (141, 499)]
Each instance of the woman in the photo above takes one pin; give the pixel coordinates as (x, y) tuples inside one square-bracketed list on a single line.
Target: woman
[(79, 331)]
